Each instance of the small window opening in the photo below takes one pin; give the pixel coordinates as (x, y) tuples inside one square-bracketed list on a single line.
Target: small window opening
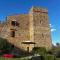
[(40, 21), (12, 33), (42, 35), (13, 23)]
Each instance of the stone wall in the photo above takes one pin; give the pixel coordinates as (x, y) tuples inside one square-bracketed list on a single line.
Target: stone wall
[(31, 27), (41, 28)]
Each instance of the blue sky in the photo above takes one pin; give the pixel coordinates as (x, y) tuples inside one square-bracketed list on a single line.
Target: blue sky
[(54, 18), (12, 7)]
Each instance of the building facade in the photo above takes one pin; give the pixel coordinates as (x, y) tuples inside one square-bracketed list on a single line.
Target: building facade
[(33, 27)]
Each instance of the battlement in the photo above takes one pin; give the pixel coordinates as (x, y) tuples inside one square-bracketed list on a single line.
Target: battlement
[(37, 9)]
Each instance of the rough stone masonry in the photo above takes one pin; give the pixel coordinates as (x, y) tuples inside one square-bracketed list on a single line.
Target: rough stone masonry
[(33, 27)]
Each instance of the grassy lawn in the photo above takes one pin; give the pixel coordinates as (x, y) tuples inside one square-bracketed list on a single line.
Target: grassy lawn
[(58, 59), (1, 58)]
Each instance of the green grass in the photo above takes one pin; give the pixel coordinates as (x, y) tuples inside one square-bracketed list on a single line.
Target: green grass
[(1, 58), (57, 58)]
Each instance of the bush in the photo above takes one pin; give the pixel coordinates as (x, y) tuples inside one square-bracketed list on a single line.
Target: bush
[(49, 57), (5, 46), (39, 50), (55, 51)]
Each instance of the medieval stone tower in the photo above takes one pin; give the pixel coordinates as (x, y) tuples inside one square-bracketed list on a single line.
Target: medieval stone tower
[(31, 27)]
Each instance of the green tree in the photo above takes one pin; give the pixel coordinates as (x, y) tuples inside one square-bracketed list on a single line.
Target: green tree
[(4, 45), (58, 44), (39, 50)]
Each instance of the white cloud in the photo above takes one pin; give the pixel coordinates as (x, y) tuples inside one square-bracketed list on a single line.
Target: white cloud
[(52, 30), (50, 25)]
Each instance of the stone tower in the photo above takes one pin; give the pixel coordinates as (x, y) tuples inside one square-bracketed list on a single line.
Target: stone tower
[(33, 27), (41, 30)]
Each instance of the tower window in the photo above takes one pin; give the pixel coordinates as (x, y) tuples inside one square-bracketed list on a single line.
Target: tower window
[(42, 35), (13, 23), (12, 33), (40, 21)]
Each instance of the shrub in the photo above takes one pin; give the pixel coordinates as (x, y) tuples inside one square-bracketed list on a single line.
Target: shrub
[(39, 50), (5, 46), (49, 57)]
